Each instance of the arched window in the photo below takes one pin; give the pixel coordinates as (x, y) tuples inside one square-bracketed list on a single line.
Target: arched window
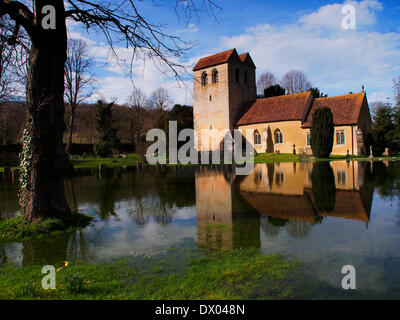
[(278, 136), (340, 138), (237, 75), (245, 77), (215, 77), (257, 137), (204, 79)]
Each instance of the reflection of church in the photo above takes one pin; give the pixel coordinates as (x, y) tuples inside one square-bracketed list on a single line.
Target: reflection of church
[(282, 194)]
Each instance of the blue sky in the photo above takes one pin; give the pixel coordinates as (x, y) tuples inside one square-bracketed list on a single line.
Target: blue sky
[(280, 36)]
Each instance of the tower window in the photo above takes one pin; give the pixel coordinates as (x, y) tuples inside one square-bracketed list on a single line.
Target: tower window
[(215, 76), (237, 74), (210, 97), (204, 79)]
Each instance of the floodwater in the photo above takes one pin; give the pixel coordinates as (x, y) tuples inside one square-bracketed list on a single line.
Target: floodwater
[(325, 215)]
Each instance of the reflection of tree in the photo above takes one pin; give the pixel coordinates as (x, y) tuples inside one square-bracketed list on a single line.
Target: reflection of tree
[(77, 246), (298, 229), (48, 250), (268, 228), (107, 194), (323, 186), (139, 214)]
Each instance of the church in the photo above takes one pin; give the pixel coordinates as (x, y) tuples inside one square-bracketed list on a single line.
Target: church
[(225, 97)]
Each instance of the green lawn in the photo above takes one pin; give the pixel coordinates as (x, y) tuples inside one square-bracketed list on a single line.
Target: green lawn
[(237, 274), (90, 162), (133, 158)]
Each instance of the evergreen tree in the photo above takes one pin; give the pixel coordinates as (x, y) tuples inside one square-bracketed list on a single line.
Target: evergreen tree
[(273, 91), (322, 132), (382, 128), (108, 135), (317, 93)]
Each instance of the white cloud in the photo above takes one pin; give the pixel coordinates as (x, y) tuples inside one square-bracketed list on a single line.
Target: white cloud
[(337, 61), (330, 16)]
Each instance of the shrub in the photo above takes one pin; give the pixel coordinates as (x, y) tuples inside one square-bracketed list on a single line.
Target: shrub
[(74, 283), (322, 132)]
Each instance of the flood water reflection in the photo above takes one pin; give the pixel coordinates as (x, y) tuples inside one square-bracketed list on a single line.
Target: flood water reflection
[(325, 214)]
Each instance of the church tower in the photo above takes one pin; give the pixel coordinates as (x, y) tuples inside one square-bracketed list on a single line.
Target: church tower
[(223, 84)]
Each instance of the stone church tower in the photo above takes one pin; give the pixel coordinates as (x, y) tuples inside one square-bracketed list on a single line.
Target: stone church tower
[(224, 84)]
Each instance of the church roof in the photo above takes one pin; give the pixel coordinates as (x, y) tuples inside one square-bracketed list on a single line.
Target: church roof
[(214, 60), (345, 108), (280, 108), (301, 106)]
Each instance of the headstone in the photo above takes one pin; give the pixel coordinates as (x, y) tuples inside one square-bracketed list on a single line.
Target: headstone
[(386, 153)]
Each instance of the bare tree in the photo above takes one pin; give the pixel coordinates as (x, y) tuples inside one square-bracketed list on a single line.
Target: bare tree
[(137, 98), (7, 79), (137, 102), (13, 56), (44, 159), (295, 81), (159, 100), (265, 80), (79, 83)]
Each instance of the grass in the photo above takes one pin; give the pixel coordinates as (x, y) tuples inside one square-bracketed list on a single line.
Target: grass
[(133, 158), (92, 162), (238, 274), (18, 228)]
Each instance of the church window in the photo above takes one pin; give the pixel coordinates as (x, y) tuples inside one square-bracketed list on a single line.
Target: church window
[(278, 136), (237, 74), (279, 178), (340, 137), (215, 76), (341, 175), (204, 80), (210, 97), (308, 139), (257, 137)]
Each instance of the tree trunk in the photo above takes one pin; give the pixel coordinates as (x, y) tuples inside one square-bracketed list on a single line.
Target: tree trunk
[(71, 129), (44, 195)]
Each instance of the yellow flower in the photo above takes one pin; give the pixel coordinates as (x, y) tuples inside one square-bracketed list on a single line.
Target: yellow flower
[(66, 263)]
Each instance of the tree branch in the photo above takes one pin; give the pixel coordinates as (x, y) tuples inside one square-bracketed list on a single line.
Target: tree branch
[(19, 13)]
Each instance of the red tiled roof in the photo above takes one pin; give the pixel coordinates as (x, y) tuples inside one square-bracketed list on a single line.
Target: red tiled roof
[(213, 60), (243, 56), (345, 109), (280, 108)]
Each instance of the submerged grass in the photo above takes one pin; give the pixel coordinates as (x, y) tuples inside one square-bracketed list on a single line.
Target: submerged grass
[(18, 228), (237, 274)]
